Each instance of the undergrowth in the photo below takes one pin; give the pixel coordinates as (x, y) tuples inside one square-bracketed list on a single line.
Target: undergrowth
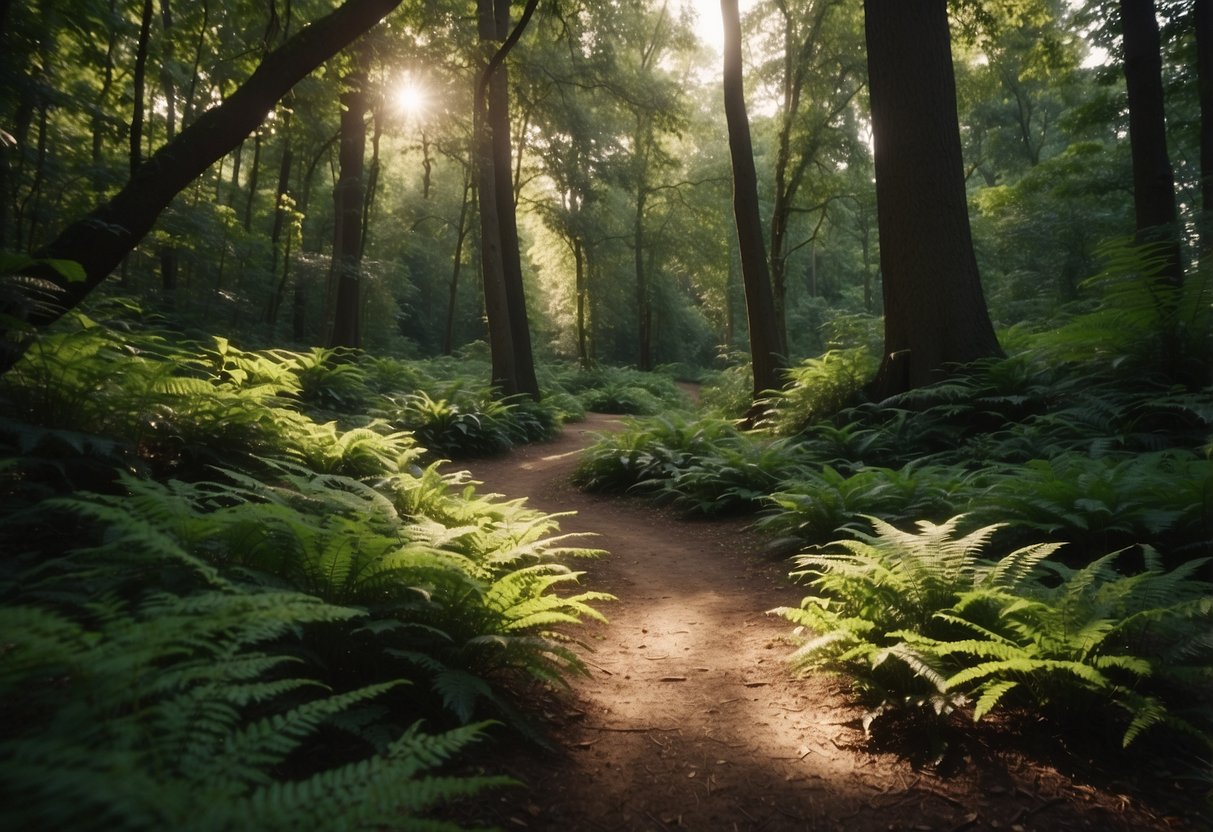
[(1095, 432), (230, 596), (927, 619)]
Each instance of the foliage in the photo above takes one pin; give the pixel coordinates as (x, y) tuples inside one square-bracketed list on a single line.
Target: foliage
[(925, 618), (230, 636), (468, 423), (1105, 502), (817, 388), (1142, 319), (821, 502), (191, 702), (621, 390), (706, 466)]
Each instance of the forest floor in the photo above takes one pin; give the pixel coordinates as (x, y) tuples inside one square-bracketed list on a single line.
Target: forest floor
[(689, 718)]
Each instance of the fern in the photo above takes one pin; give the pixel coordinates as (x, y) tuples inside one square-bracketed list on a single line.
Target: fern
[(963, 628)]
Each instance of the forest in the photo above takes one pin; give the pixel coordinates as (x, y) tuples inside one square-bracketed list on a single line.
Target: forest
[(915, 297)]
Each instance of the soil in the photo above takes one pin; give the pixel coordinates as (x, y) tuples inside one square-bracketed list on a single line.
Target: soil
[(690, 719)]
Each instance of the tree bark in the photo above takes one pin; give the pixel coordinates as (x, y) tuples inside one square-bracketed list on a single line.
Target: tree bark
[(496, 305), (505, 299), (100, 240), (1153, 178), (583, 352), (250, 198), (935, 314), (348, 199), (281, 197), (461, 232), (767, 354), (499, 120), (644, 301)]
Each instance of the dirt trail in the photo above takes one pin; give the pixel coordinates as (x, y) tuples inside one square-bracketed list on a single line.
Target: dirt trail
[(689, 719)]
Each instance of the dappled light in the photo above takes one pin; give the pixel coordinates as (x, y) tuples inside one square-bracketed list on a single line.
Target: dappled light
[(707, 414)]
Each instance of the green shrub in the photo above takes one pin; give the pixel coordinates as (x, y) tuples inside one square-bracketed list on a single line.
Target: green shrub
[(148, 689), (816, 389), (822, 502), (926, 619)]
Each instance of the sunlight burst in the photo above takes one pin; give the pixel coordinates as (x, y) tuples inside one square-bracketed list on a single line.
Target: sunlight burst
[(411, 96)]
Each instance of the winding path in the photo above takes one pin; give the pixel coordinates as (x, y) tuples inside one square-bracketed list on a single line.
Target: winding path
[(689, 719)]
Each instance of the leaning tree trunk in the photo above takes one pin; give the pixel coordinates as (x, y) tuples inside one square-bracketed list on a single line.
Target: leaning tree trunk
[(100, 240), (767, 354), (935, 314), (1153, 178)]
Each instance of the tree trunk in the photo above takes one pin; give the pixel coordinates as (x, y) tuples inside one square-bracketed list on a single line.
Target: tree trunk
[(281, 204), (167, 84), (250, 198), (583, 353), (348, 199), (139, 92), (100, 240), (448, 335), (99, 116), (1153, 179), (496, 305), (372, 185), (187, 113), (767, 355), (1204, 70), (505, 300), (935, 314), (511, 255), (644, 301)]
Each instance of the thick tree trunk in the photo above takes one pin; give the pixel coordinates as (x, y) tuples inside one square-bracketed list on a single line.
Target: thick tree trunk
[(1153, 178), (100, 240), (505, 299), (348, 199), (499, 121), (767, 355), (496, 304), (935, 314)]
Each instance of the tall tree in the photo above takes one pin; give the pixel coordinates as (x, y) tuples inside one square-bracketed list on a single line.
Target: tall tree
[(348, 196), (505, 300), (1153, 178), (100, 240), (818, 72), (768, 352), (935, 313)]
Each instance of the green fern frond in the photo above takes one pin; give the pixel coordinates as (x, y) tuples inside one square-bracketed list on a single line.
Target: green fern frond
[(991, 695)]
